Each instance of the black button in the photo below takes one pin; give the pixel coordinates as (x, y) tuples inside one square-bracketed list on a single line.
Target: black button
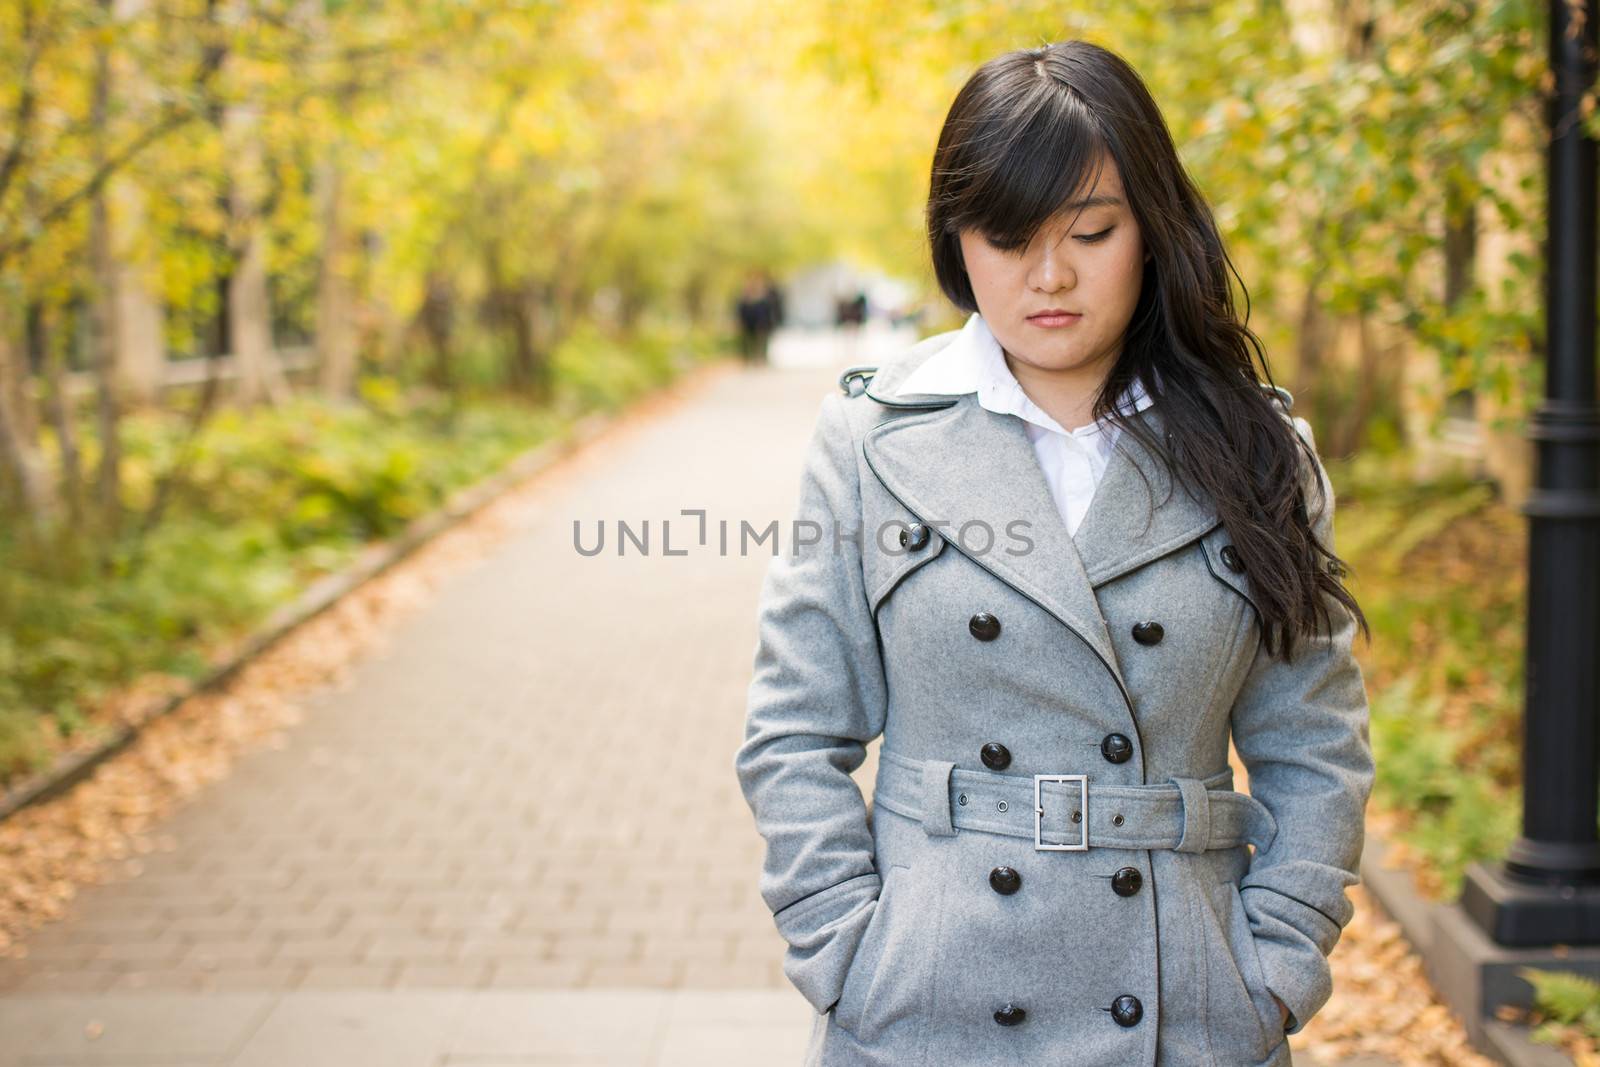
[(1230, 557), (1127, 1010), (1148, 633), (995, 756), (1126, 881), (984, 627), (1010, 1015), (915, 537), (1005, 880), (1116, 748)]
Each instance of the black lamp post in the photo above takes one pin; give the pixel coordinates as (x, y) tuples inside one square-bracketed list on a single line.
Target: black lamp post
[(1548, 889)]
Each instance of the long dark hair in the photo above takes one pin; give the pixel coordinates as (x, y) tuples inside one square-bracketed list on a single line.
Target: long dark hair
[(1022, 136)]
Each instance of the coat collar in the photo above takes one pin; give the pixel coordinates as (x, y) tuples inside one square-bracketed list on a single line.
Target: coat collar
[(885, 380), (975, 363), (958, 463)]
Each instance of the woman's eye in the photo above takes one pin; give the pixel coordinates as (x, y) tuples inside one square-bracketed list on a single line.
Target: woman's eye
[(1009, 249), (1096, 238)]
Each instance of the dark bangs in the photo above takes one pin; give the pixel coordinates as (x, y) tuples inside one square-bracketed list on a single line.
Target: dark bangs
[(1016, 145)]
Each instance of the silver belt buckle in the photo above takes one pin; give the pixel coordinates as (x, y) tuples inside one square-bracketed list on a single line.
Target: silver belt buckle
[(1038, 811)]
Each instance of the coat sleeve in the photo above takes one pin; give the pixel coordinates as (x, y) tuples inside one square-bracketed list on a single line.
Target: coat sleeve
[(817, 697), (1301, 729)]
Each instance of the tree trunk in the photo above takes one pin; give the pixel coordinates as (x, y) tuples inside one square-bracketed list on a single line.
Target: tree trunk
[(260, 375), (435, 317), (103, 311), (19, 453), (507, 310), (528, 312), (140, 342), (695, 297), (336, 340), (1460, 248), (58, 407), (547, 332)]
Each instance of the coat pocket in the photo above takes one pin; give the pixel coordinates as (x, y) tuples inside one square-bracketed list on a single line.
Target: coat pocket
[(872, 971), (1218, 551), (884, 569), (1242, 1018)]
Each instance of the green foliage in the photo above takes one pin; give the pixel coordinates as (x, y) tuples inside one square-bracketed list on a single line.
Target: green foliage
[(596, 374), (1429, 771), (327, 475), (1565, 999), (1445, 665)]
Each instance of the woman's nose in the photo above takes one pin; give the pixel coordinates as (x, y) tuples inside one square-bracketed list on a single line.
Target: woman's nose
[(1052, 271)]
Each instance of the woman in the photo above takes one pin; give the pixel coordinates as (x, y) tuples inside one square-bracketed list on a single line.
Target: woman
[(1053, 607)]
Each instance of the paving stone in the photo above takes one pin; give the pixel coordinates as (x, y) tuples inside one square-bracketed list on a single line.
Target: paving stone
[(538, 974), (163, 1025), (561, 1024), (339, 975), (336, 1029)]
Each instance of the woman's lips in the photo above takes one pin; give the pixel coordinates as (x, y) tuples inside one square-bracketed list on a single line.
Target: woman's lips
[(1051, 321)]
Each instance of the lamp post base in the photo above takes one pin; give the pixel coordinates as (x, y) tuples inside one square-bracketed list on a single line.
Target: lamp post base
[(1519, 913)]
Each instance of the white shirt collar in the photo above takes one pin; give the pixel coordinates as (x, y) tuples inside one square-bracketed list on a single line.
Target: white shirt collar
[(975, 362)]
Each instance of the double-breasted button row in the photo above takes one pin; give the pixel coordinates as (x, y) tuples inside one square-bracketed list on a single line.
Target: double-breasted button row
[(986, 627), (1007, 880), (1126, 1010), (1116, 748)]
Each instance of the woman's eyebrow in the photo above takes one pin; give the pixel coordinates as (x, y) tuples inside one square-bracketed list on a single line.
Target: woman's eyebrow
[(1092, 201)]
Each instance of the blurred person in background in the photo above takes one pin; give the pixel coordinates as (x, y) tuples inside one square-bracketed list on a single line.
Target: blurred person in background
[(759, 310), (774, 300)]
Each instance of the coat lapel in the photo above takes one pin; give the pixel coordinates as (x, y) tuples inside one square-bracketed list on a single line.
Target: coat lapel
[(963, 464), (1138, 514)]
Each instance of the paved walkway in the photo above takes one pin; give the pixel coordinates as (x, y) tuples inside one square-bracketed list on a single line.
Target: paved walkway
[(513, 837)]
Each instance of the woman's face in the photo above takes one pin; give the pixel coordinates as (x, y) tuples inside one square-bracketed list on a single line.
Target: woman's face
[(1093, 268)]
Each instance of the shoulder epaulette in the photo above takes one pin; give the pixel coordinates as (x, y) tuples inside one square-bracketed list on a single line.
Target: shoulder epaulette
[(1285, 397), (853, 382)]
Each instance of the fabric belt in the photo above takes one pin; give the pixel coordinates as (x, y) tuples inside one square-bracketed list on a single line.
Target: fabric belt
[(1184, 814)]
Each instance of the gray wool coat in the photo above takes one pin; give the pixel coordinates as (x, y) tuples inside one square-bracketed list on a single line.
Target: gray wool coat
[(942, 605)]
